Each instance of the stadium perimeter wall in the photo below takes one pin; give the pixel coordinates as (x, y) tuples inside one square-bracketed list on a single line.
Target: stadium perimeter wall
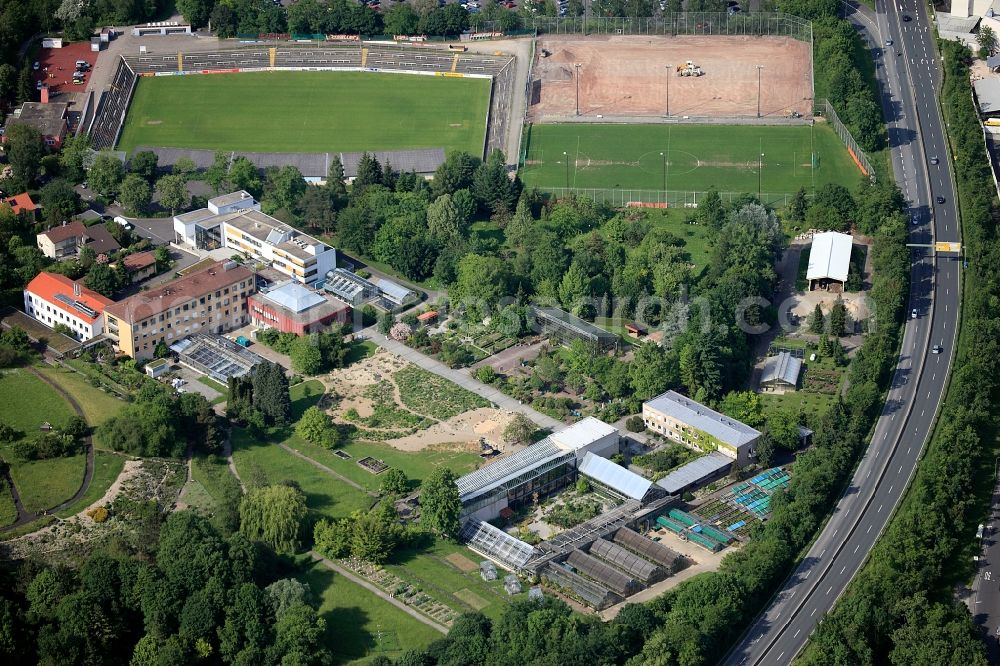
[(106, 127)]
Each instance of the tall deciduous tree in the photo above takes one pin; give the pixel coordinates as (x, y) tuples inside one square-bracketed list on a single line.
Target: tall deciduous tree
[(106, 174), (144, 163), (315, 426), (173, 192), (440, 506), (273, 515), (135, 194)]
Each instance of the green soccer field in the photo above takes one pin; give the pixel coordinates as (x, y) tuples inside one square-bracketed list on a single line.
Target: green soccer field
[(308, 112), (698, 157)]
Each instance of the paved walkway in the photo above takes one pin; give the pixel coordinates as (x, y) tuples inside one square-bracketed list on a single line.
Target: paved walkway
[(462, 379), (377, 592)]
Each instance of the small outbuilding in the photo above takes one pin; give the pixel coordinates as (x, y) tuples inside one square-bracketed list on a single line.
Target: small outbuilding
[(512, 584), (781, 373), (487, 570), (829, 261)]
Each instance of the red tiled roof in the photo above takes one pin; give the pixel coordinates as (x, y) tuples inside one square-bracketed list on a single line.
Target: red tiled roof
[(20, 202), (139, 260), (47, 285), (73, 229), (154, 301), (430, 314)]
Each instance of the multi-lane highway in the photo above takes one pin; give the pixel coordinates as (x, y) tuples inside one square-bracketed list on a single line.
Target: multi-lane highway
[(909, 76)]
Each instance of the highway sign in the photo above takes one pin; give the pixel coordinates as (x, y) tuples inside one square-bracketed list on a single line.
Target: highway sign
[(947, 247)]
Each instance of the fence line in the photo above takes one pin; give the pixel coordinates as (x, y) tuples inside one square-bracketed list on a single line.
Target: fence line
[(757, 24), (824, 108), (624, 198)]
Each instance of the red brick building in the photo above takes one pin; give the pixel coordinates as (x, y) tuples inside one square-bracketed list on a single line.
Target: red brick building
[(293, 308)]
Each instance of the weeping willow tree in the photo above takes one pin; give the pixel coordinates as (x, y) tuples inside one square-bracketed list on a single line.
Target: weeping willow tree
[(273, 515)]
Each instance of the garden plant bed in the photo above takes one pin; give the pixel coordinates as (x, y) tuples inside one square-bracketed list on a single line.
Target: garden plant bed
[(373, 465)]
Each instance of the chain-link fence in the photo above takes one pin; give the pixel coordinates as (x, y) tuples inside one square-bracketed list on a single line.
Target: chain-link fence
[(625, 198), (678, 23), (824, 108)]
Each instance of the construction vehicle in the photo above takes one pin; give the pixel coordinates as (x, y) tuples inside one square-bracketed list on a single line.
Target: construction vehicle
[(690, 69)]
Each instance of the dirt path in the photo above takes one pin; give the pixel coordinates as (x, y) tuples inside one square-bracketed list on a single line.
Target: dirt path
[(227, 450), (377, 592), (23, 516), (325, 469)]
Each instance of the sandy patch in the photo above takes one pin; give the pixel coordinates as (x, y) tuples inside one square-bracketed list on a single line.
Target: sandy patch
[(363, 406), (129, 471), (461, 562), (465, 429)]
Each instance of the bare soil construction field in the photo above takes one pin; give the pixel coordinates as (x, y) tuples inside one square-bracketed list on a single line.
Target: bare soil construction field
[(628, 76)]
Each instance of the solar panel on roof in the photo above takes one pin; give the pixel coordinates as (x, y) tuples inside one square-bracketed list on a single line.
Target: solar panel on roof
[(82, 307)]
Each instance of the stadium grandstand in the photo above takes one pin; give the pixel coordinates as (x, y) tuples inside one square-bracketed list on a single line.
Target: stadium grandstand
[(109, 118), (113, 105)]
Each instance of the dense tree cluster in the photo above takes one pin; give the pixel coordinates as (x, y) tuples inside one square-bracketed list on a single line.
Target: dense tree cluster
[(162, 423), (310, 354), (188, 596), (260, 399), (370, 536), (900, 608)]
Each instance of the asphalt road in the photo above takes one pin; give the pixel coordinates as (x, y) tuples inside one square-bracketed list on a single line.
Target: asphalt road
[(909, 77), (986, 597)]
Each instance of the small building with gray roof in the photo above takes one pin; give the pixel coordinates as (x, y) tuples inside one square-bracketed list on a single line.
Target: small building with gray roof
[(693, 424), (781, 373)]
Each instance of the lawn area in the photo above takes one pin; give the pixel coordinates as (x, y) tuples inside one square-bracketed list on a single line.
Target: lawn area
[(325, 494), (465, 591), (43, 484), (426, 393), (254, 457), (698, 157), (26, 401), (308, 112), (211, 472), (358, 351), (356, 618), (695, 236), (8, 512), (416, 465), (216, 386), (107, 467), (96, 404), (819, 384)]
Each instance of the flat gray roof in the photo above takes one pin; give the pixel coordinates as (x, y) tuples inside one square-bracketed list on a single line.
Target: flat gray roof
[(988, 94), (697, 415), (694, 471)]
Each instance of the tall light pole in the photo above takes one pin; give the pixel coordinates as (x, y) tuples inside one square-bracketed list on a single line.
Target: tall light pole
[(577, 65), (668, 90), (759, 67), (566, 160)]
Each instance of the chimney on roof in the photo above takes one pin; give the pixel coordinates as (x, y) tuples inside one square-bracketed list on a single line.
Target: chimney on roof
[(45, 95), (76, 289)]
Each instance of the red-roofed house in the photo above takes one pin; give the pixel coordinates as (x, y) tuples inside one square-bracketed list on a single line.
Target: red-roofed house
[(55, 299), (21, 202), (140, 266)]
